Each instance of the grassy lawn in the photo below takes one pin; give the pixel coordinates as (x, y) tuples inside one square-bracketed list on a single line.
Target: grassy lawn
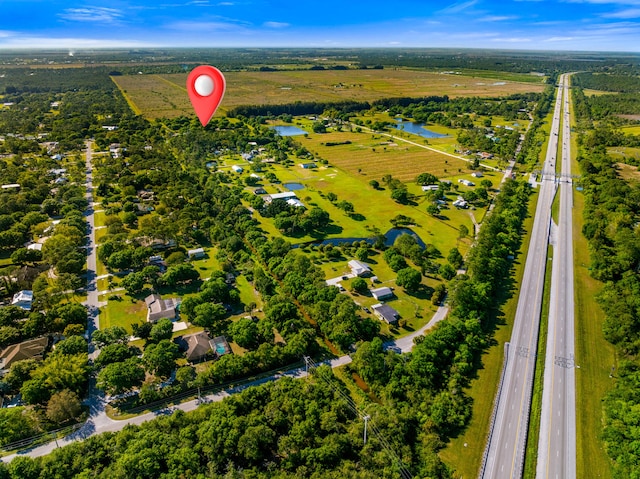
[(165, 95), (464, 453), (373, 208), (122, 313), (207, 265)]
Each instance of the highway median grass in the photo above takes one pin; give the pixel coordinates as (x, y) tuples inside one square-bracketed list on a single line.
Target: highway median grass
[(533, 434)]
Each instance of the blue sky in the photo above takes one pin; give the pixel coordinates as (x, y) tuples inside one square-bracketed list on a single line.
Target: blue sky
[(596, 25)]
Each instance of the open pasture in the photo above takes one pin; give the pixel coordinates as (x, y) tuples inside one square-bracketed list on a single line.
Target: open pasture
[(165, 95), (373, 156)]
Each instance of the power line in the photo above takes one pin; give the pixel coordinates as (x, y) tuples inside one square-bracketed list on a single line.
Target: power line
[(368, 423)]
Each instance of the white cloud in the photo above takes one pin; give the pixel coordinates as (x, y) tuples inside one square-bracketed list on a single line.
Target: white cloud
[(70, 42), (458, 7), (511, 40), (559, 39), (226, 4), (92, 14), (497, 18), (627, 13), (205, 26), (276, 24), (606, 2)]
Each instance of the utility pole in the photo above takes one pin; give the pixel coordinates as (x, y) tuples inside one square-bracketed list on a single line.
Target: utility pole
[(306, 365), (366, 419)]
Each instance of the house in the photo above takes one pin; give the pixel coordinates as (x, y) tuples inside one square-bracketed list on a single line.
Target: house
[(197, 253), (386, 313), (158, 308), (460, 203), (23, 299), (477, 174), (382, 293), (308, 166), (486, 156), (35, 246), (12, 186), (115, 150), (260, 191), (31, 349), (237, 169), (374, 280), (196, 346), (295, 202), (430, 187), (280, 196), (466, 182), (359, 268)]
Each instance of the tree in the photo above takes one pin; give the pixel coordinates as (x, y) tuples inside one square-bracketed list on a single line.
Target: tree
[(359, 285), (63, 406), (115, 353), (73, 330), (486, 183), (72, 345), (433, 209), (362, 253), (163, 329), (117, 378), (400, 195), (134, 283), (332, 197), (409, 279), (346, 206), (374, 184), (25, 255), (463, 231), (110, 335), (439, 293), (143, 330), (447, 271), (455, 258), (245, 333), (160, 358), (426, 179), (208, 315)]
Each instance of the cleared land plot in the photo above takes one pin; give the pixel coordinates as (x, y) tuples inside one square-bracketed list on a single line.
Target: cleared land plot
[(373, 156), (157, 96), (628, 172)]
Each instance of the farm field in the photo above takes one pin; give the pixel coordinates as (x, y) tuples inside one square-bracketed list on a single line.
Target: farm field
[(158, 96)]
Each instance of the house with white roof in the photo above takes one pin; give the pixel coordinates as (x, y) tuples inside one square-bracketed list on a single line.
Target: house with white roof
[(23, 299)]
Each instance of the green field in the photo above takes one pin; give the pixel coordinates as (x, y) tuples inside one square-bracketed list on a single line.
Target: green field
[(161, 96)]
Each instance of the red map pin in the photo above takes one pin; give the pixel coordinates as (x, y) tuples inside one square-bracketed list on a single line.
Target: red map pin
[(205, 85)]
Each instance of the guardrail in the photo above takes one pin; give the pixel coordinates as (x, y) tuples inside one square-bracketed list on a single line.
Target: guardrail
[(496, 403)]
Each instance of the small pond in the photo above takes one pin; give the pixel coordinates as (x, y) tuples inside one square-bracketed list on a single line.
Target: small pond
[(293, 186), (289, 130), (417, 129)]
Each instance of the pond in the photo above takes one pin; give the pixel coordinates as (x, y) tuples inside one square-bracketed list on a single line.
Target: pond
[(293, 186), (390, 238), (417, 129), (289, 130)]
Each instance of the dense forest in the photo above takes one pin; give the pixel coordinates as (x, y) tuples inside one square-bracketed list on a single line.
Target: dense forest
[(612, 211)]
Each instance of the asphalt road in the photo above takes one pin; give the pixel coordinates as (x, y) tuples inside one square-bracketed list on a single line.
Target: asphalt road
[(504, 456), (557, 440)]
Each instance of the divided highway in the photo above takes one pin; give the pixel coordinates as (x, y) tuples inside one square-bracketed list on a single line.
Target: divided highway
[(504, 456), (557, 441)]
